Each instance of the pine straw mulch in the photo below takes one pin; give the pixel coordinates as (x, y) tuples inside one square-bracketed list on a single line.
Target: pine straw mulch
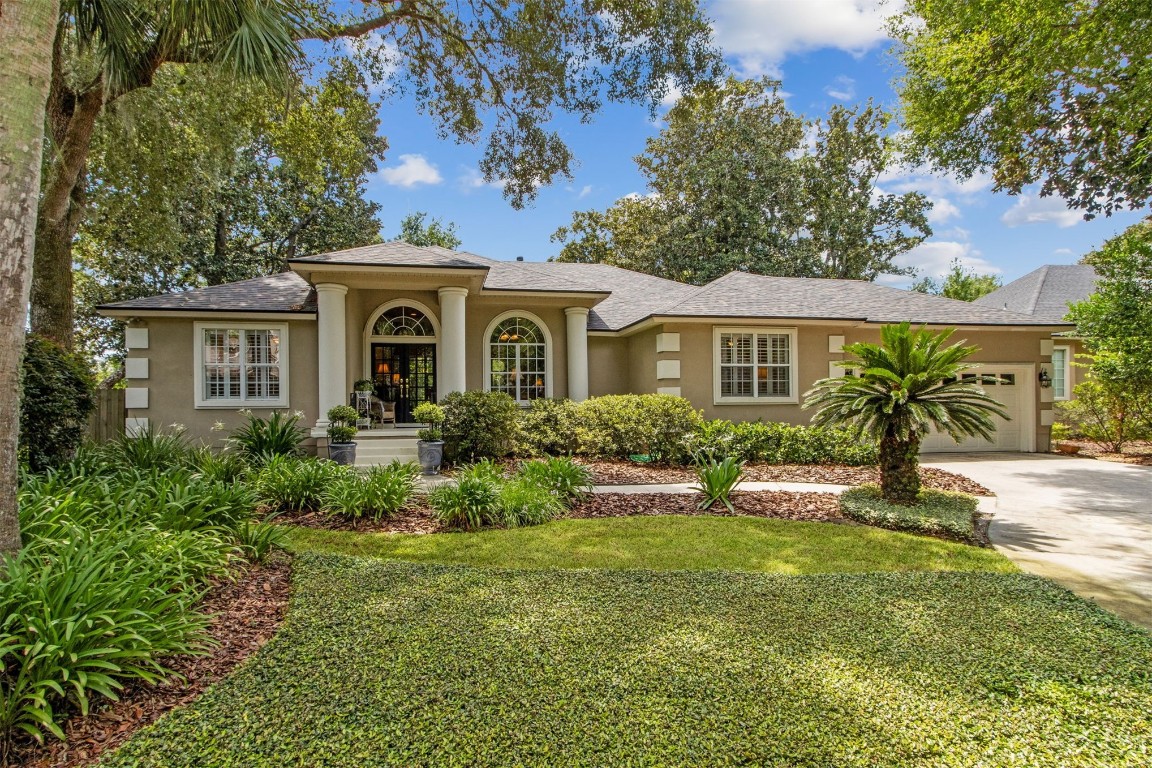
[(631, 473), (417, 518), (1135, 452), (249, 611), (779, 505)]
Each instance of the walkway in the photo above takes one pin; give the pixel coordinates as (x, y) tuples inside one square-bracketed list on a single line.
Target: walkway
[(1084, 523)]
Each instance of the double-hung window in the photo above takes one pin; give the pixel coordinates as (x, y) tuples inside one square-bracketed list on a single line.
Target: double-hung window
[(755, 365), (241, 364)]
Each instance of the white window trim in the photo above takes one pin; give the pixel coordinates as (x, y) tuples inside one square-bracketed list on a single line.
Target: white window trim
[(1067, 373), (794, 366), (241, 402), (549, 369)]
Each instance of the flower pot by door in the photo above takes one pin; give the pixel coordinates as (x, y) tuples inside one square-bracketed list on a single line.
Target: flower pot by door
[(342, 453), (431, 453)]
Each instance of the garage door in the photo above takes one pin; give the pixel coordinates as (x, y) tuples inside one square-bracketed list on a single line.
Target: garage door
[(1014, 392)]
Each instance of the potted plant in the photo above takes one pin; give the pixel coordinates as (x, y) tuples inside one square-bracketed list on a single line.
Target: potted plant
[(430, 447), (364, 385), (341, 430)]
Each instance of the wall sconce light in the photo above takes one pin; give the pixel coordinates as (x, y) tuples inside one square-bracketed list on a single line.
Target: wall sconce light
[(1044, 379)]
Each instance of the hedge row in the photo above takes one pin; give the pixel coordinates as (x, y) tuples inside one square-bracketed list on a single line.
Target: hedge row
[(481, 425)]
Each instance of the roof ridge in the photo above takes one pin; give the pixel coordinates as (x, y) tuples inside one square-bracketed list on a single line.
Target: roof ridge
[(1031, 305), (531, 267), (699, 289)]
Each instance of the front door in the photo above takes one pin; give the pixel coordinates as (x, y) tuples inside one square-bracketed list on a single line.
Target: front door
[(404, 374)]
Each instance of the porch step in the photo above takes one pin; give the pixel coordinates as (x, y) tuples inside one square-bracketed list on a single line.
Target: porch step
[(370, 452)]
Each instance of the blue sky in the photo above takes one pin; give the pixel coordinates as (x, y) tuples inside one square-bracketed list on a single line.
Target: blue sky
[(824, 52)]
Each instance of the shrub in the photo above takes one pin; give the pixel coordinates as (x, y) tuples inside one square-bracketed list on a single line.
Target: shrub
[(548, 427), (342, 423), (479, 425), (379, 492), (259, 439), (432, 415), (559, 475), (1109, 413), (469, 502), (718, 478), (777, 443), (297, 484), (936, 513), (618, 426), (522, 502), (55, 403)]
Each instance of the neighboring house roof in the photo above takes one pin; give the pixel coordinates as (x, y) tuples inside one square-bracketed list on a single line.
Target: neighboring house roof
[(285, 292), (739, 294), (1046, 293), (626, 297)]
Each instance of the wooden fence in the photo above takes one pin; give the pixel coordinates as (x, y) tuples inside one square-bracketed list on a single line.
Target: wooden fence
[(107, 419)]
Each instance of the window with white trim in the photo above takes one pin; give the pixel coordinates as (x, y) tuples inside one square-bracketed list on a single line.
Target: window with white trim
[(1061, 380), (518, 360), (755, 365), (242, 364)]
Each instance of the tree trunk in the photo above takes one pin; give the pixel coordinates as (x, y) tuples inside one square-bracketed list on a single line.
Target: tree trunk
[(900, 470), (27, 30), (72, 122)]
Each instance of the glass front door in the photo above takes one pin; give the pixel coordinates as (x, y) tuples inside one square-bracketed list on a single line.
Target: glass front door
[(404, 374)]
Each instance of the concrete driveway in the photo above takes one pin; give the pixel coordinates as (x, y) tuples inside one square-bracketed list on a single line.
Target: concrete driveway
[(1086, 524)]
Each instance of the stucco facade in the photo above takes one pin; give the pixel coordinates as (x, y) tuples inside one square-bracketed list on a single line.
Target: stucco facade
[(594, 338)]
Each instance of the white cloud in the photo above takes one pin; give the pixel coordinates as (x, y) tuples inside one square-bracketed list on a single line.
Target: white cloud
[(672, 95), (412, 171), (934, 258), (1033, 209), (943, 210), (758, 34), (901, 179), (843, 88), (584, 192), (1062, 252)]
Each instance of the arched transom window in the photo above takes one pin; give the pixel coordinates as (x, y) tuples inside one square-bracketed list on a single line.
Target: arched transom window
[(403, 321), (518, 357)]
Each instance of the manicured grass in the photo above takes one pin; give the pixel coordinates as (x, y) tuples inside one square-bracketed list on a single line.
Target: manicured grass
[(396, 664), (670, 542)]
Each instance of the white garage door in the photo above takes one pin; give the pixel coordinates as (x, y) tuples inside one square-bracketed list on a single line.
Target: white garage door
[(1015, 393)]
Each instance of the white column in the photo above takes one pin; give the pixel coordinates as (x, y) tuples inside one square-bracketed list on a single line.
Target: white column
[(452, 376), (331, 344), (577, 352)]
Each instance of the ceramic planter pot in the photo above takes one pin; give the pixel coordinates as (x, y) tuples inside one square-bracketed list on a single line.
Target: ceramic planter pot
[(431, 453), (342, 453)]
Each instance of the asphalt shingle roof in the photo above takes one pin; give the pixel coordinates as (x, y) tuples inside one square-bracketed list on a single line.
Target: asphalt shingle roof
[(629, 297), (1044, 293), (284, 292), (739, 294)]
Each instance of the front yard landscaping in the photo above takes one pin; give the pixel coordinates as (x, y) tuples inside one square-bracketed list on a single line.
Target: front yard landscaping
[(399, 664)]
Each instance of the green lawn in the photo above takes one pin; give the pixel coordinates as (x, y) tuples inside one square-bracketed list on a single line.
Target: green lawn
[(671, 543), (386, 663)]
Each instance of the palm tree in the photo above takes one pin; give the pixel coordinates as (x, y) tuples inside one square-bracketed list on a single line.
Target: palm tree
[(908, 384)]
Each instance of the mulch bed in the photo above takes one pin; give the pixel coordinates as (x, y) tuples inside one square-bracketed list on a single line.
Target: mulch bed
[(631, 473), (418, 518), (780, 505), (249, 611), (1136, 452)]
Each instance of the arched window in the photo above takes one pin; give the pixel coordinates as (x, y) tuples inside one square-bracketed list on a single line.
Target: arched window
[(403, 321), (518, 359)]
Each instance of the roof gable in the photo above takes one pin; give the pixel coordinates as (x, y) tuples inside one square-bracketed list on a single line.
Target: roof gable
[(1044, 293)]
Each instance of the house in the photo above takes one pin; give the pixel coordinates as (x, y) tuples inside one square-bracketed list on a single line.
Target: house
[(423, 322), (1045, 294)]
